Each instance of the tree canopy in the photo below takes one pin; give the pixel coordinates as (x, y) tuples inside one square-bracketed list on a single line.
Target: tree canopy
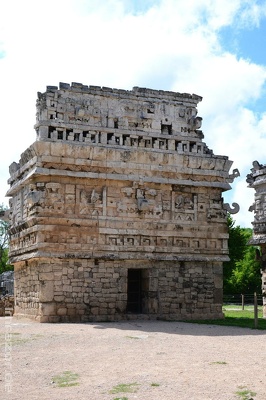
[(4, 240), (242, 272)]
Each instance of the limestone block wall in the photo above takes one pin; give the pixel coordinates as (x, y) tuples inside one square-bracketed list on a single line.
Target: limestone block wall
[(92, 290)]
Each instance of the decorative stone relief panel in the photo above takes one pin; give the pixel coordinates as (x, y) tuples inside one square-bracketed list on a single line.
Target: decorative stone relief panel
[(162, 242), (140, 200), (54, 198), (90, 200), (216, 210), (25, 241), (17, 208), (259, 207), (184, 206), (35, 198)]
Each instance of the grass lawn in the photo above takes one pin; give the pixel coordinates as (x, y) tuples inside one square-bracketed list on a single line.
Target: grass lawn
[(235, 316)]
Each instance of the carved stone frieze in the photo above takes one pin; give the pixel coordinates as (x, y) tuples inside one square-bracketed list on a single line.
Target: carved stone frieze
[(162, 242)]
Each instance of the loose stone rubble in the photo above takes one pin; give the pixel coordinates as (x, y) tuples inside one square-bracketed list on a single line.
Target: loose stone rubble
[(7, 283), (257, 180), (117, 209), (6, 306)]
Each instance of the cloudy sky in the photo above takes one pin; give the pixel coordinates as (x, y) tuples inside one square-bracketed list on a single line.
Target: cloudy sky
[(213, 48)]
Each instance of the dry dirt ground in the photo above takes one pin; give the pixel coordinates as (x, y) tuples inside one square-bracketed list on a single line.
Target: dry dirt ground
[(149, 360)]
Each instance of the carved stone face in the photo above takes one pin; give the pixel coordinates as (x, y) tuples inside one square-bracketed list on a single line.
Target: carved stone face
[(259, 203)]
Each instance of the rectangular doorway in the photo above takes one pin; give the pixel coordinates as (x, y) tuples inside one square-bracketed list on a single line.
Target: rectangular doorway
[(137, 290)]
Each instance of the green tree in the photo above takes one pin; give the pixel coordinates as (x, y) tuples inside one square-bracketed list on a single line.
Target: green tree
[(242, 272), (236, 247), (246, 277), (4, 238)]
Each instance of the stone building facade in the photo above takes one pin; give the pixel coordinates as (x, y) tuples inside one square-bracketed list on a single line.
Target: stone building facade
[(7, 283), (257, 180), (117, 209)]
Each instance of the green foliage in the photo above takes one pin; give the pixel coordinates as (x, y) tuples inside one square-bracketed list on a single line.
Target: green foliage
[(237, 241), (236, 246), (125, 388), (242, 272), (237, 312), (219, 362), (121, 398), (246, 276), (242, 319), (245, 394), (4, 238), (66, 379)]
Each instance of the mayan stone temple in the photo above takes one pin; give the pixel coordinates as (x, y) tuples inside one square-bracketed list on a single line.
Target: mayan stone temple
[(257, 180), (117, 209)]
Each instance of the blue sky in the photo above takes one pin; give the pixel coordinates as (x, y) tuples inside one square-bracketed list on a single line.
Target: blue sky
[(247, 41), (214, 48)]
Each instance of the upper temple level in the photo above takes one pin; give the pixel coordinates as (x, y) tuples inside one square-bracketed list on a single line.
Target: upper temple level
[(140, 118)]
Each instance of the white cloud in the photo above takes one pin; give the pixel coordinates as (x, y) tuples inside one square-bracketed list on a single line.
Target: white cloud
[(167, 44), (251, 14)]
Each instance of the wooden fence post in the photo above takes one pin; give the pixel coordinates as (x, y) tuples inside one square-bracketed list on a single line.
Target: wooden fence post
[(255, 311), (243, 301)]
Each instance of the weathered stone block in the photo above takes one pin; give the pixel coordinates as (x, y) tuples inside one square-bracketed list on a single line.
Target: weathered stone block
[(59, 298), (47, 309), (46, 276), (46, 292), (62, 311)]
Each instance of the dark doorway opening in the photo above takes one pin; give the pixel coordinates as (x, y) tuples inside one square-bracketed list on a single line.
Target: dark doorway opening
[(137, 290)]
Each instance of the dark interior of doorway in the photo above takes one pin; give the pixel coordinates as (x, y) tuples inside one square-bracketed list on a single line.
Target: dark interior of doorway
[(137, 290)]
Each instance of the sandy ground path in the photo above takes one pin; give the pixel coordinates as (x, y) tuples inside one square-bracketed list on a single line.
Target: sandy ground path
[(164, 360)]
